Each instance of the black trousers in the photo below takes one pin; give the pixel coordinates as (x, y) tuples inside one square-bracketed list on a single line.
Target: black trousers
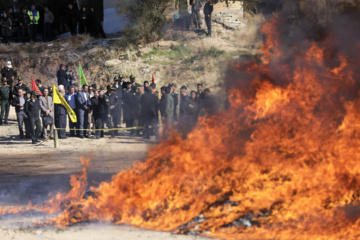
[(35, 122), (153, 123), (47, 31), (99, 124), (33, 29), (107, 121), (60, 122), (208, 24)]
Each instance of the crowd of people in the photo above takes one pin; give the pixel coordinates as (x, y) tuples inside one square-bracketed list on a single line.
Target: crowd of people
[(141, 107), (23, 24)]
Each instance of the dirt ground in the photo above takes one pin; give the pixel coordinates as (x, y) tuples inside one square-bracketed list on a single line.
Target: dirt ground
[(30, 172)]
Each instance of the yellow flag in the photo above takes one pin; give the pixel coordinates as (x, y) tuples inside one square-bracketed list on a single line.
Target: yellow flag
[(59, 99)]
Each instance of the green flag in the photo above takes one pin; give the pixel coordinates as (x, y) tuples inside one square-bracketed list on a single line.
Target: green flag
[(82, 76)]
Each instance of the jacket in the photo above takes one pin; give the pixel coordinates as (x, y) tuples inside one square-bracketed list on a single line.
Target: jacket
[(34, 16), (63, 78), (46, 105), (81, 101), (16, 103), (48, 17), (32, 108)]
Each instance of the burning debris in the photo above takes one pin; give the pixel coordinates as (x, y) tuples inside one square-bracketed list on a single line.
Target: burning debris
[(282, 162)]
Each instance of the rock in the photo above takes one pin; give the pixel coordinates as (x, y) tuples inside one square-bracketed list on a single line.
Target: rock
[(165, 45), (64, 45), (93, 51), (23, 54), (112, 62)]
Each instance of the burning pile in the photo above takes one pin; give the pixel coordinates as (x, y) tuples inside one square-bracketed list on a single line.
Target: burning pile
[(282, 162)]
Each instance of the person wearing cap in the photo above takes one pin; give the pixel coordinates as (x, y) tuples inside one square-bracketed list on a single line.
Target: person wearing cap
[(116, 112), (20, 85), (137, 111), (32, 109), (134, 84), (96, 110), (127, 94), (5, 101), (47, 110), (106, 104), (10, 74), (19, 103)]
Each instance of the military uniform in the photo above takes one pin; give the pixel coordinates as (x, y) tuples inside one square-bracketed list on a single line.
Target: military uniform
[(97, 114), (5, 94), (20, 86), (32, 109), (106, 101), (116, 112)]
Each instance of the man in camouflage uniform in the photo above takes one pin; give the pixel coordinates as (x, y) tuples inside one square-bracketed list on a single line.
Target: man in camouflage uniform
[(5, 100)]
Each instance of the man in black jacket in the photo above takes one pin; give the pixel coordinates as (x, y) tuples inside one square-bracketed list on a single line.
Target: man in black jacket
[(19, 104), (32, 109), (72, 19), (208, 9), (149, 112), (63, 77), (20, 85)]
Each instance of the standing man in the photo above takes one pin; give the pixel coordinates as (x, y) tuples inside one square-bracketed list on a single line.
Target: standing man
[(32, 108), (10, 74), (176, 98), (60, 115), (84, 104), (34, 21), (134, 85), (70, 98), (48, 20), (116, 112), (46, 106), (19, 104), (72, 19), (105, 103), (25, 26), (5, 101), (148, 112), (208, 9), (63, 77), (168, 110), (97, 114), (40, 86), (20, 85)]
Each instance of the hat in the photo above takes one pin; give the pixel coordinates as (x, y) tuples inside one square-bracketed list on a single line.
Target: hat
[(132, 76), (75, 85), (8, 64), (20, 78), (34, 93), (50, 89), (102, 88), (116, 78), (94, 86), (173, 85), (110, 86), (121, 76), (3, 79)]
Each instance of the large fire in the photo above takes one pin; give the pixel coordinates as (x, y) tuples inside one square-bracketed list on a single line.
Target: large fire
[(282, 159)]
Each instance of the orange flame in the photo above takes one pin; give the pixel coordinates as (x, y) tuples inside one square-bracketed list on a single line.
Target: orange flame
[(285, 156)]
